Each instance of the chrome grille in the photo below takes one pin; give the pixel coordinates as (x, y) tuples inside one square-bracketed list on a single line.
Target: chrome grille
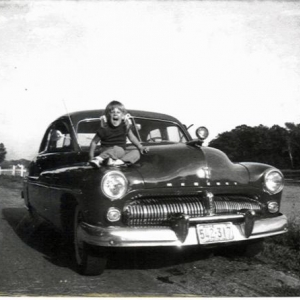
[(158, 211), (234, 204)]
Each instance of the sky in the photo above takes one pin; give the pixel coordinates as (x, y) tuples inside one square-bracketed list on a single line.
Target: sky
[(218, 64)]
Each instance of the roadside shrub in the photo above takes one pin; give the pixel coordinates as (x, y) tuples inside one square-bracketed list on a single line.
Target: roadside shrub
[(292, 238), (9, 181)]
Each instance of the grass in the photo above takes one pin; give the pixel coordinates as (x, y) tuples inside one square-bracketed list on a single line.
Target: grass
[(285, 249), (13, 182)]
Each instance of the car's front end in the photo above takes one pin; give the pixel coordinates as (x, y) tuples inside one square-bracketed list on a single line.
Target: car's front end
[(181, 195)]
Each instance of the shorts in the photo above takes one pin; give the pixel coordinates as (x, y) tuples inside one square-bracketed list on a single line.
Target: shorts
[(117, 152)]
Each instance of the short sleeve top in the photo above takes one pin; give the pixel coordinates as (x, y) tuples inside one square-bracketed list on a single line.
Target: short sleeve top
[(113, 136)]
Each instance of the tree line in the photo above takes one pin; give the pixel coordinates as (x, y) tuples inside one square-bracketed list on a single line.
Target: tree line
[(5, 164), (2, 152), (277, 146)]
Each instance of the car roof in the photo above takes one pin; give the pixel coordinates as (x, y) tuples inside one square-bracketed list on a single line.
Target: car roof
[(86, 114)]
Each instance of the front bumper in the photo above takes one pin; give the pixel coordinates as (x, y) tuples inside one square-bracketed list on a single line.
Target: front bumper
[(136, 237)]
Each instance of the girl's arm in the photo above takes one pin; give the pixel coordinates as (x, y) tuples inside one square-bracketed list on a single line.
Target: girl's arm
[(136, 142), (93, 145)]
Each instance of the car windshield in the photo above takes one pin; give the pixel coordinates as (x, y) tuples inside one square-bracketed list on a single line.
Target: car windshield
[(146, 130)]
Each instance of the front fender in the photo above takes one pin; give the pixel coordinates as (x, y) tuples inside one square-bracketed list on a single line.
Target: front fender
[(256, 170)]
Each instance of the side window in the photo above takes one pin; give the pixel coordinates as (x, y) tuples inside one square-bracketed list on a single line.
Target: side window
[(57, 139)]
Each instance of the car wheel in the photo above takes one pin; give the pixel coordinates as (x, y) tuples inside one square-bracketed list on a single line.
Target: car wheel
[(33, 215), (90, 260)]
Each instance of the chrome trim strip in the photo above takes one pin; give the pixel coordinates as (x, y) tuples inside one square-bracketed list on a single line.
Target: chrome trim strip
[(33, 177), (68, 190), (216, 218)]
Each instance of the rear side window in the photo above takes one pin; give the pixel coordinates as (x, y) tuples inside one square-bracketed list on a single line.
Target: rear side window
[(57, 139)]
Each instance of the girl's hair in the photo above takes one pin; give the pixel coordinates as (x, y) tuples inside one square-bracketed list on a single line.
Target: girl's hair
[(114, 104)]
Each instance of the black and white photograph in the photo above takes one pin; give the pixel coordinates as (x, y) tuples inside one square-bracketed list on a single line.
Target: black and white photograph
[(149, 148)]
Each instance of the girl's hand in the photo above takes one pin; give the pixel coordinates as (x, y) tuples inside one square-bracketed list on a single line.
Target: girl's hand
[(144, 150), (103, 118)]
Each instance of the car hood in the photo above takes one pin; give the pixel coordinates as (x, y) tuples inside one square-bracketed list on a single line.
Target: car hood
[(184, 165)]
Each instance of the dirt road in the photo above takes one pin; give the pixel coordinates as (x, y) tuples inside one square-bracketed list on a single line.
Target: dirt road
[(33, 262)]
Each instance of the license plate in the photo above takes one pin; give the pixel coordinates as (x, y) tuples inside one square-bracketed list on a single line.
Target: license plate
[(215, 233)]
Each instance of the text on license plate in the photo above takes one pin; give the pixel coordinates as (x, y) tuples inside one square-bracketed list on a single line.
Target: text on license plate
[(214, 233)]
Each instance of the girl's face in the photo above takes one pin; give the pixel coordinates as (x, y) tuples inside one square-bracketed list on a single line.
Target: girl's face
[(116, 116)]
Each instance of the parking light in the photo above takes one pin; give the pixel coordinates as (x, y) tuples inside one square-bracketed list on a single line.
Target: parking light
[(113, 214), (273, 207)]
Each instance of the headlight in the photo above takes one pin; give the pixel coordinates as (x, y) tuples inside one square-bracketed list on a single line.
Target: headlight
[(273, 181), (114, 185), (202, 133)]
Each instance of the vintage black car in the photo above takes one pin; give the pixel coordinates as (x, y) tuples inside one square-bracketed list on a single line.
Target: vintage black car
[(180, 193)]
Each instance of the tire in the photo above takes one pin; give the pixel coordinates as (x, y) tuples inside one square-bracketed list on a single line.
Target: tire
[(33, 215), (90, 260)]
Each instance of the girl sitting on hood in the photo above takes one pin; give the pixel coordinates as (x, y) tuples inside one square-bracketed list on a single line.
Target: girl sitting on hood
[(112, 133)]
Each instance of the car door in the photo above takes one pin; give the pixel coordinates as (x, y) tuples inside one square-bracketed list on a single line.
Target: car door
[(57, 150)]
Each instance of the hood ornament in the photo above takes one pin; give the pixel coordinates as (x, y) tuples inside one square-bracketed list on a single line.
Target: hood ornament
[(204, 173), (209, 203)]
